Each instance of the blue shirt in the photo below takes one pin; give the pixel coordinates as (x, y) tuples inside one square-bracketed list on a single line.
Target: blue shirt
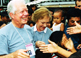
[(11, 41), (41, 36), (74, 37)]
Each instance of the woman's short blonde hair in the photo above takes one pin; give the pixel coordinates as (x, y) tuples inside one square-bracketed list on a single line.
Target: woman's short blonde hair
[(40, 14)]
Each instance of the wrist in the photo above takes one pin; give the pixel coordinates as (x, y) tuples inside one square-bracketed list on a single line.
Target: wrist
[(73, 50), (58, 49)]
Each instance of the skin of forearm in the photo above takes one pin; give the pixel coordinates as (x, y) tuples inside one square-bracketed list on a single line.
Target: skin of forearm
[(64, 52)]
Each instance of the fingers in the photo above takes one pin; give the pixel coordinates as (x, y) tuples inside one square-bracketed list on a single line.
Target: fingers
[(44, 49), (24, 54), (53, 43), (70, 40), (77, 24), (70, 30), (50, 41), (21, 54), (79, 46)]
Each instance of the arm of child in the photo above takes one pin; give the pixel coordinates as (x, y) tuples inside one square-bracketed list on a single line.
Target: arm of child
[(62, 27)]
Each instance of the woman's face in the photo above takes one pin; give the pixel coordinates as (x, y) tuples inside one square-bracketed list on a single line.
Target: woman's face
[(41, 24)]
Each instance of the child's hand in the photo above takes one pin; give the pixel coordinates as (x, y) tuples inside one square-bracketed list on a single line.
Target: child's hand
[(79, 46), (39, 43)]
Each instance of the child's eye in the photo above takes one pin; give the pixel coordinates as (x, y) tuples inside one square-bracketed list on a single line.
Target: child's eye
[(57, 18)]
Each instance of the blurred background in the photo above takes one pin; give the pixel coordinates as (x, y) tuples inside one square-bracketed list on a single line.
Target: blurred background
[(50, 4)]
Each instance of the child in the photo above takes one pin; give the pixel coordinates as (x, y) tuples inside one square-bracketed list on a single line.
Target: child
[(60, 38), (57, 20)]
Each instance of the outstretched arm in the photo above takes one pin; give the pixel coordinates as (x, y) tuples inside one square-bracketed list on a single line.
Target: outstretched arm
[(54, 48)]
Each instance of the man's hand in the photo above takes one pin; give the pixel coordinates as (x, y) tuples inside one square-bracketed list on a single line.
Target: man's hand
[(69, 44), (20, 54), (74, 30)]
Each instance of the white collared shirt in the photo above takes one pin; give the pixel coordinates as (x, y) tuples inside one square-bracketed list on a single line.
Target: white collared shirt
[(35, 29)]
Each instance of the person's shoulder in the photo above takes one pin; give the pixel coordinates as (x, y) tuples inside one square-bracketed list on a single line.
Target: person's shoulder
[(62, 24), (48, 30), (8, 27), (4, 30), (28, 28)]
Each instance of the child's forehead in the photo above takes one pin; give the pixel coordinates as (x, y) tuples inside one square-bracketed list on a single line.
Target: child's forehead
[(58, 13)]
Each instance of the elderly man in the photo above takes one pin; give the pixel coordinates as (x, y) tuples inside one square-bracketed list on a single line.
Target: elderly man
[(15, 37)]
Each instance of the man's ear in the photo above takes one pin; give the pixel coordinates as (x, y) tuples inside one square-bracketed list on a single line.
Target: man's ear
[(11, 15)]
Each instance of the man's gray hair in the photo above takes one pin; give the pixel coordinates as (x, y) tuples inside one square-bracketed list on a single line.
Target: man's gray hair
[(11, 6)]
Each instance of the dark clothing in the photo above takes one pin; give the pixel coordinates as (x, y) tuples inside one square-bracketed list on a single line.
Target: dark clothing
[(74, 37), (39, 54), (1, 23)]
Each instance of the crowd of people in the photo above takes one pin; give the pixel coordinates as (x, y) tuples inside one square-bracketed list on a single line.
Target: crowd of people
[(27, 32)]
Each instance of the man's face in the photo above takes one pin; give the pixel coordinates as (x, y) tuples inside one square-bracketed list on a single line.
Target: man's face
[(78, 4), (21, 14), (71, 21), (41, 24)]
